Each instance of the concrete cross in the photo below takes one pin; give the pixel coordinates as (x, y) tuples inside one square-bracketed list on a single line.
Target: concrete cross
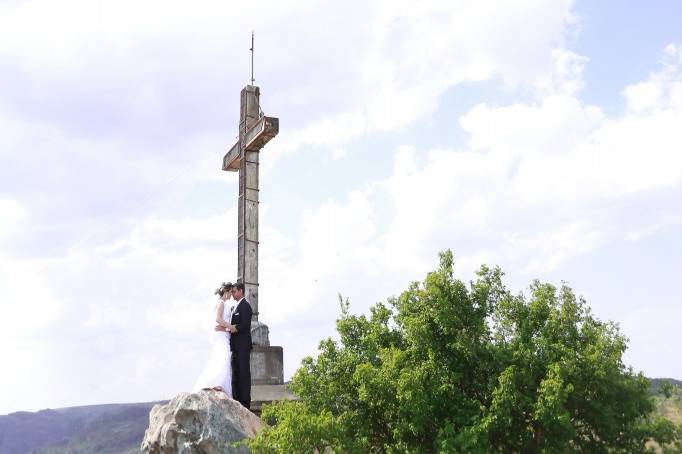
[(255, 130)]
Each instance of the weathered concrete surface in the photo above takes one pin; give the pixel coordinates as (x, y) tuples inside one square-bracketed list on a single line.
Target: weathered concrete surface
[(260, 334), (207, 422), (265, 394), (267, 365)]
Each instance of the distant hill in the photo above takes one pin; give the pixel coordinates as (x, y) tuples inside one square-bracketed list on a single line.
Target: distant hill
[(657, 382), (111, 428)]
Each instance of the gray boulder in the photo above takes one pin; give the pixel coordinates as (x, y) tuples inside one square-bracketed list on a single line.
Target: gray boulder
[(207, 422)]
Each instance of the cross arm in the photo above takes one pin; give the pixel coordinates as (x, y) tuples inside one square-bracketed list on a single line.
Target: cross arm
[(231, 159), (255, 138)]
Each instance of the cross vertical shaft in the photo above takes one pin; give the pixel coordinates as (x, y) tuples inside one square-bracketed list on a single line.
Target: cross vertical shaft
[(255, 130), (247, 267)]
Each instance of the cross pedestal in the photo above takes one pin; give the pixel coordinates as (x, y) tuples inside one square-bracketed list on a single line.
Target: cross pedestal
[(255, 130)]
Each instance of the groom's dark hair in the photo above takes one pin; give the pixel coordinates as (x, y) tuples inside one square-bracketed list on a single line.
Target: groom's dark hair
[(239, 285)]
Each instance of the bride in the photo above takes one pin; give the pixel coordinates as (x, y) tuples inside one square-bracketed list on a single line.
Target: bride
[(217, 374)]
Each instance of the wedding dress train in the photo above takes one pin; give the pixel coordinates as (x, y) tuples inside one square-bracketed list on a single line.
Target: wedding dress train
[(218, 370)]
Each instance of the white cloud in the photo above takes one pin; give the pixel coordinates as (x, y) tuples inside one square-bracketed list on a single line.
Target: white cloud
[(339, 152), (665, 221), (653, 334), (12, 214), (557, 124), (29, 304), (662, 90), (541, 183), (414, 51), (151, 64), (567, 75)]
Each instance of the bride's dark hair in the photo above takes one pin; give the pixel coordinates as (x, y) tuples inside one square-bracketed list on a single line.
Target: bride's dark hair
[(224, 287)]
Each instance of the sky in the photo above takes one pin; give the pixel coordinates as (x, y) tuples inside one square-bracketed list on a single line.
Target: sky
[(541, 136)]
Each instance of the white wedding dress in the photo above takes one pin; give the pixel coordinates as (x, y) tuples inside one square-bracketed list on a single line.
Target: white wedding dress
[(218, 370)]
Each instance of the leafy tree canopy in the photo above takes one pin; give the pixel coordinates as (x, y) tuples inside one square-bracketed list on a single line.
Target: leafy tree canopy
[(455, 367)]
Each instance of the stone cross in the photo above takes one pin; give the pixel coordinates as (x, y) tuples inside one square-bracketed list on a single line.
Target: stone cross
[(255, 130)]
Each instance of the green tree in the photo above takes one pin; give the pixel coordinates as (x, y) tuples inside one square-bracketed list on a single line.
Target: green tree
[(455, 367), (667, 389)]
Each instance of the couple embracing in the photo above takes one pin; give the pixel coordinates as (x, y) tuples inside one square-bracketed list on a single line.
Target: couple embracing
[(228, 368)]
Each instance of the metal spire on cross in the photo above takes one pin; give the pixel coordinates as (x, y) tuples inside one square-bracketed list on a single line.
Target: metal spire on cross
[(252, 79)]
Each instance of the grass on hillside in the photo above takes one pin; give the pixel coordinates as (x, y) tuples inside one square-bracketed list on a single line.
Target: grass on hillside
[(670, 407)]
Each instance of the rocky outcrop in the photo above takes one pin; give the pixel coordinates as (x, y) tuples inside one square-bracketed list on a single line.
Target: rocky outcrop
[(207, 422)]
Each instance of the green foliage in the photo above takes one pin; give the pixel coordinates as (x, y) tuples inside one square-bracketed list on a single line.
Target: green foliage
[(297, 427), (455, 367), (668, 416), (666, 389), (656, 384)]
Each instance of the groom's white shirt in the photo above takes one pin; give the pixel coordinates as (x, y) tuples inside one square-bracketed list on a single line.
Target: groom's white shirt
[(235, 308), (236, 305)]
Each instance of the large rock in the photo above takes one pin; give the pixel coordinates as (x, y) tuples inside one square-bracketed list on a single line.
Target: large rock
[(207, 422)]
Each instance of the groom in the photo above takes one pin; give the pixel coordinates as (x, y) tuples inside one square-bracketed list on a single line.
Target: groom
[(240, 344)]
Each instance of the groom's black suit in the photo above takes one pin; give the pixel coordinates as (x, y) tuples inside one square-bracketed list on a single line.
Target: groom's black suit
[(240, 344)]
